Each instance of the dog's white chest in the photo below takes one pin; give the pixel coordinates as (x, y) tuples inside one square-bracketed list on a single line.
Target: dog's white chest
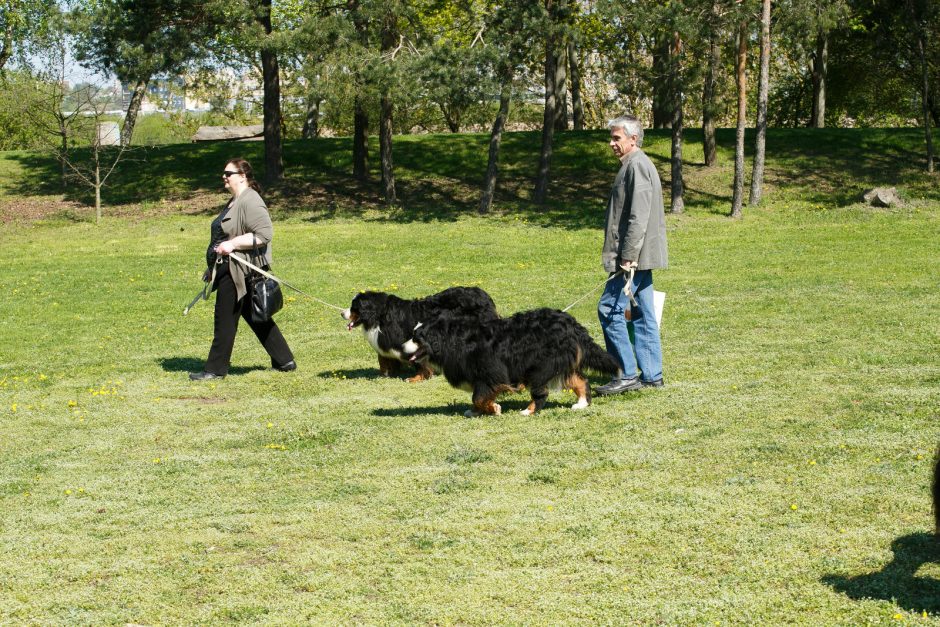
[(372, 337)]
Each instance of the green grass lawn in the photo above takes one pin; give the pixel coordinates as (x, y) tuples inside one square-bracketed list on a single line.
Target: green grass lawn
[(781, 476)]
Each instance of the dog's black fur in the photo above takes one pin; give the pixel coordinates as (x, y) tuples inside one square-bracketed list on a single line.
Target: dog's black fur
[(535, 349), (389, 321)]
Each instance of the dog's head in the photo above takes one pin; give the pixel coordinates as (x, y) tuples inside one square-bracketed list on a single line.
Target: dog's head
[(366, 310), (445, 338)]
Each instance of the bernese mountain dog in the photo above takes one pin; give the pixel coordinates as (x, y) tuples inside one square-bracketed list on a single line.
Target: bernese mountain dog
[(537, 350), (388, 321)]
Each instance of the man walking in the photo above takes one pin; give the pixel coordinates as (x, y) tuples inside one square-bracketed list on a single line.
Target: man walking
[(634, 238)]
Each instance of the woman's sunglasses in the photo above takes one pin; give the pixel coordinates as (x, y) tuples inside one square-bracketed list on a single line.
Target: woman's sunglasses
[(227, 174)]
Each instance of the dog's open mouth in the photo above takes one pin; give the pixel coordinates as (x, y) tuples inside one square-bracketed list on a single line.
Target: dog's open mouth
[(352, 317), (419, 355), (414, 351)]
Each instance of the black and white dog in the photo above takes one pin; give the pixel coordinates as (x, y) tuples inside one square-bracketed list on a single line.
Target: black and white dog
[(537, 350), (388, 321)]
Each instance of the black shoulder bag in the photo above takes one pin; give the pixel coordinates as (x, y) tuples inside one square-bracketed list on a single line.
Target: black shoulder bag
[(265, 293)]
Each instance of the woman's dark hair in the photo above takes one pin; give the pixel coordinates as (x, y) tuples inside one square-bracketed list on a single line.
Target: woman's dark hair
[(245, 168)]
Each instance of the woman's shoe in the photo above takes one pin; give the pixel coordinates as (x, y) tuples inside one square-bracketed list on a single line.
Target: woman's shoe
[(205, 376)]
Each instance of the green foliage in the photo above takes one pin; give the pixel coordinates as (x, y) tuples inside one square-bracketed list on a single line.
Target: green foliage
[(139, 40), (17, 131)]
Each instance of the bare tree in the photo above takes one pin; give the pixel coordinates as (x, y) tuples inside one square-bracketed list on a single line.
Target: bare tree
[(91, 166), (763, 87)]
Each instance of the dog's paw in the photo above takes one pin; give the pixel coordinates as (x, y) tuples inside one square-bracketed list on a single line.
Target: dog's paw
[(497, 409), (470, 414), (526, 412), (581, 404)]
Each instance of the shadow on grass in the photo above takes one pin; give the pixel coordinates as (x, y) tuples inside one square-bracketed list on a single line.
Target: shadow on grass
[(510, 408), (358, 373), (439, 176), (191, 364), (897, 581)]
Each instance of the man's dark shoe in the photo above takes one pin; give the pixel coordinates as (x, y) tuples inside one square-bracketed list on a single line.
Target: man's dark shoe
[(618, 387), (205, 376), (291, 365), (658, 383)]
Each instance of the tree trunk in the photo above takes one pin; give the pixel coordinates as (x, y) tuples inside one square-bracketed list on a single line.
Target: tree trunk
[(763, 87), (360, 117), (662, 99), (133, 108), (311, 127), (96, 148), (360, 141), (385, 149), (496, 136), (389, 37), (548, 124), (561, 86), (819, 66), (6, 48), (925, 93), (270, 74), (675, 80), (451, 117), (737, 198), (709, 143), (577, 107), (64, 148)]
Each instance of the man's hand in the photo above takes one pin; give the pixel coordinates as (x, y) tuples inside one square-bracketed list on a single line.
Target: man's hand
[(627, 265)]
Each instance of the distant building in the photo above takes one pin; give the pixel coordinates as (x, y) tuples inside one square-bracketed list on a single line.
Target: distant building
[(163, 94)]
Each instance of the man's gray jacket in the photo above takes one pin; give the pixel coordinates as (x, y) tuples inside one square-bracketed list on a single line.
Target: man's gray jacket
[(636, 220)]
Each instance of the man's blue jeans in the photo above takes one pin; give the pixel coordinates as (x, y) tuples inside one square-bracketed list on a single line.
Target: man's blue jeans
[(646, 351)]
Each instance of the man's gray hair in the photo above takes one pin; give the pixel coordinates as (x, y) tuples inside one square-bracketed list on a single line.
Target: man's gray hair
[(630, 126)]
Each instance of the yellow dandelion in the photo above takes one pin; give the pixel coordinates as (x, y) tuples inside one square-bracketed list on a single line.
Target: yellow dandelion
[(812, 462), (73, 404), (13, 408), (43, 377), (156, 460), (793, 507), (26, 493), (270, 424), (68, 492), (898, 616)]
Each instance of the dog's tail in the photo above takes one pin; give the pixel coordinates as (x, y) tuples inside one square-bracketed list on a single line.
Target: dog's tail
[(596, 358), (936, 493)]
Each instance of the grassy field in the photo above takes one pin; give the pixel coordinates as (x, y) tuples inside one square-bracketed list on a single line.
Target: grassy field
[(780, 477)]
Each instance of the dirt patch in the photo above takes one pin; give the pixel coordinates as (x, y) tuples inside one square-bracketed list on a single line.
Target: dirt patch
[(33, 208)]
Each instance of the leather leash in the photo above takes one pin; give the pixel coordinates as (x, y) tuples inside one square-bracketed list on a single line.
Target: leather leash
[(627, 288)]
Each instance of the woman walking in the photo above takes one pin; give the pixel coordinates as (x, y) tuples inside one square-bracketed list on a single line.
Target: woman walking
[(243, 225)]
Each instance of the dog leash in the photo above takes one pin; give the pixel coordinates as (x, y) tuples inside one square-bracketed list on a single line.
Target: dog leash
[(627, 288), (204, 294)]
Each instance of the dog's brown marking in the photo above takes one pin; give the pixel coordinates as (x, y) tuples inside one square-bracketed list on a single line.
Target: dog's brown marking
[(424, 373), (579, 385), (388, 366)]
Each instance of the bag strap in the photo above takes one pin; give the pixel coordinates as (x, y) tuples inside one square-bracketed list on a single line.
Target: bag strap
[(256, 256)]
